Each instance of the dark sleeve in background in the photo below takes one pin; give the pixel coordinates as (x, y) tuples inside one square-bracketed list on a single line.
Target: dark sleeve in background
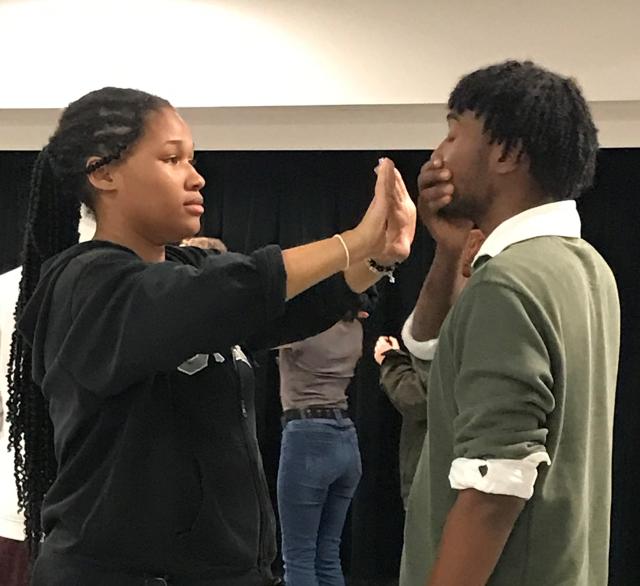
[(403, 386)]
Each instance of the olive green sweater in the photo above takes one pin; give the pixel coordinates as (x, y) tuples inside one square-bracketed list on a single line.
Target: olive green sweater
[(526, 362)]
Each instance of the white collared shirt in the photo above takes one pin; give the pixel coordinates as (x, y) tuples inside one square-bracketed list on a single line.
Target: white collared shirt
[(559, 218), (511, 477)]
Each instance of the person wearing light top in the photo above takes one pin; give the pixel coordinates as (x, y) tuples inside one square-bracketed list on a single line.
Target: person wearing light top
[(14, 558), (320, 464), (513, 485)]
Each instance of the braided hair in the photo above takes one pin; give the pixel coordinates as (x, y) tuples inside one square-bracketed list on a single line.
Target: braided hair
[(106, 124), (542, 114)]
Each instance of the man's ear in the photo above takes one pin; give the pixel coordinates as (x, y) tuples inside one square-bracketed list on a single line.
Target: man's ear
[(102, 178), (471, 248), (508, 161)]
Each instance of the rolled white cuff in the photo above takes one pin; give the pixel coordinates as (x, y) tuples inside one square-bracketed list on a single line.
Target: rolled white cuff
[(508, 477), (423, 350)]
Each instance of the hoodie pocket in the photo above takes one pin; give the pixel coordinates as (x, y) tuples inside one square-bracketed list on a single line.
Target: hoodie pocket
[(225, 532)]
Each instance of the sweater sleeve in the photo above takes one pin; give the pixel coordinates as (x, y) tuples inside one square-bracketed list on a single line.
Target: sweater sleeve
[(504, 390)]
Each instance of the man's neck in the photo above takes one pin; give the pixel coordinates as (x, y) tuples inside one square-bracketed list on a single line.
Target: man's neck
[(508, 205)]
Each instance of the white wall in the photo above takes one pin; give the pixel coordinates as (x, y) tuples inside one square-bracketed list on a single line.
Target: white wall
[(317, 128), (393, 58)]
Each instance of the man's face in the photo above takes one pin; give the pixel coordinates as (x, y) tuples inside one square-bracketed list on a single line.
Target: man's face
[(466, 153)]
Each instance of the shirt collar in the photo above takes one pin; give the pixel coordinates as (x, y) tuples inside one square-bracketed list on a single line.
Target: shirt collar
[(559, 218)]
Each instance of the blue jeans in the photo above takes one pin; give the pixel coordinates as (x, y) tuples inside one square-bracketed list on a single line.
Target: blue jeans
[(319, 471)]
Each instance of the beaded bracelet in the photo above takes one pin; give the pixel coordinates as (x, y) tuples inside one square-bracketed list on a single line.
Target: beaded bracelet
[(387, 271)]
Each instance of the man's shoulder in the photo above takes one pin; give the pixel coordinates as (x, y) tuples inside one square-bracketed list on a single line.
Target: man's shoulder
[(540, 262)]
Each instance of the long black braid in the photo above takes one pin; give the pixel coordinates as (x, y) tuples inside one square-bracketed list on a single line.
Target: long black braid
[(104, 124), (539, 112)]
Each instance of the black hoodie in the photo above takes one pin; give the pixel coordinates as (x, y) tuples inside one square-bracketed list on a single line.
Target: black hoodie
[(159, 471)]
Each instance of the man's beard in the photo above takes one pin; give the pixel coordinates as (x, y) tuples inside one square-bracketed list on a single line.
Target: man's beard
[(460, 208)]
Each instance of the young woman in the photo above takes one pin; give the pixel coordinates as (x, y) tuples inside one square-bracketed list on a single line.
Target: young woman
[(129, 399)]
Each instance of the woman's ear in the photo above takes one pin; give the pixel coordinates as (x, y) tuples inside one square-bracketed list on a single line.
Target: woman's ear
[(101, 178)]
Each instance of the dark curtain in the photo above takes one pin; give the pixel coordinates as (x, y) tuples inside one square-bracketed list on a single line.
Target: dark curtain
[(15, 168), (255, 198), (611, 217)]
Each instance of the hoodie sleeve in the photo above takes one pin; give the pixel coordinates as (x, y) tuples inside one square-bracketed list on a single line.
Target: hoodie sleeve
[(128, 319), (313, 311)]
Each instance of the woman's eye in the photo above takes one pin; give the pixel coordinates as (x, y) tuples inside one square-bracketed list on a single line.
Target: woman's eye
[(171, 160)]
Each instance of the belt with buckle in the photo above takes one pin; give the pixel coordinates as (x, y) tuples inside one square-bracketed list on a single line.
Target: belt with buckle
[(314, 413)]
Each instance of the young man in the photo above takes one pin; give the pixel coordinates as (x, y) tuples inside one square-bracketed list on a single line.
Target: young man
[(513, 483)]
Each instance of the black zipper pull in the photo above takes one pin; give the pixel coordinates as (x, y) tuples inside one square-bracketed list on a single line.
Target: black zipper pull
[(244, 408)]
